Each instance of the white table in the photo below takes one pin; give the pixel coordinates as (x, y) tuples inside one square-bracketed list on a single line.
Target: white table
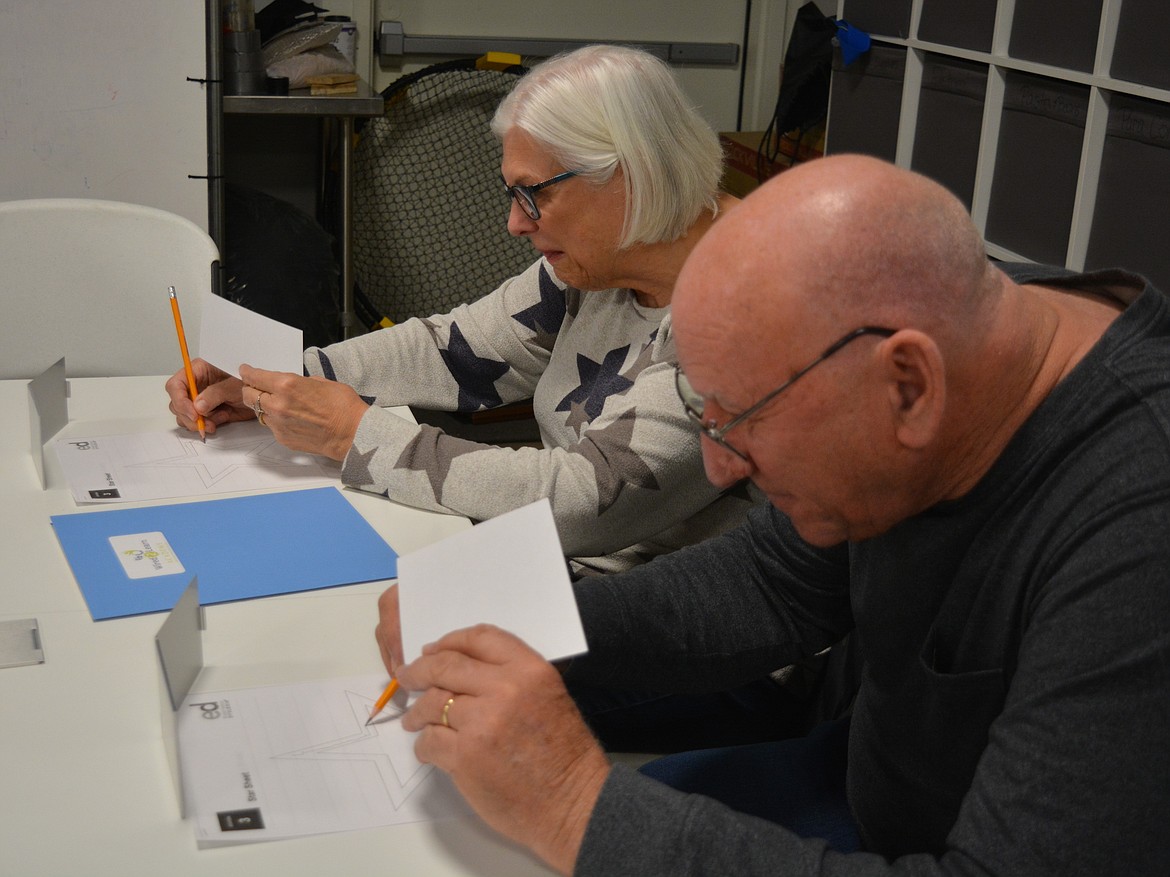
[(85, 786)]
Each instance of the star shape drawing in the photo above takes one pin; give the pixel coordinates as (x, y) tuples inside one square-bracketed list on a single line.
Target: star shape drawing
[(599, 381), (546, 316), (475, 375), (327, 370), (645, 359), (213, 463), (330, 374), (357, 467), (434, 457), (383, 744), (614, 461)]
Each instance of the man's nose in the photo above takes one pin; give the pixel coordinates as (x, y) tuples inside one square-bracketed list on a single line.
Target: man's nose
[(724, 468)]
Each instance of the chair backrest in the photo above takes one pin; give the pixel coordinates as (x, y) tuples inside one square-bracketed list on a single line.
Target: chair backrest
[(429, 210), (87, 279)]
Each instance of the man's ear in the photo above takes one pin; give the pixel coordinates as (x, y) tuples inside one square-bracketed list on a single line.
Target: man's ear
[(916, 386)]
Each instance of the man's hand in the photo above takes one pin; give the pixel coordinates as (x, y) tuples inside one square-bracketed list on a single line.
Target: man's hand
[(496, 717)]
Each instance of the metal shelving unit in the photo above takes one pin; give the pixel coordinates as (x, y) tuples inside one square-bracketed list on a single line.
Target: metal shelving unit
[(339, 109), (1050, 118)]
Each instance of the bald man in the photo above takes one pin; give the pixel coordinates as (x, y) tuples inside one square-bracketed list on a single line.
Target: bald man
[(968, 468)]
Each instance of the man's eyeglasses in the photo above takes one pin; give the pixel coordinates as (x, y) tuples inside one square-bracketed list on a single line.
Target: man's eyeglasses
[(525, 196), (694, 403)]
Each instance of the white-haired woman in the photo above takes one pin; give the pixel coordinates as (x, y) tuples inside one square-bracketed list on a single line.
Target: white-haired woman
[(613, 177)]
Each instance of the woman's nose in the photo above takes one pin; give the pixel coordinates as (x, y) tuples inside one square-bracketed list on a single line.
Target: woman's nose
[(519, 223)]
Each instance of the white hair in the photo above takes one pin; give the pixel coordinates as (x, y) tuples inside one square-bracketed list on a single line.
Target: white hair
[(603, 107)]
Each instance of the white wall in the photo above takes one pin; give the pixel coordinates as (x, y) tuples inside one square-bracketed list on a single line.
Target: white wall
[(94, 102), (714, 89)]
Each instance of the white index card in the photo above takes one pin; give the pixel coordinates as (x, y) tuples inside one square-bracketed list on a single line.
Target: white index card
[(508, 571)]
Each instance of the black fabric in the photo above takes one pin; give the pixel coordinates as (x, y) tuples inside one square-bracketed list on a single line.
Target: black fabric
[(280, 15), (803, 101), (808, 60), (279, 262)]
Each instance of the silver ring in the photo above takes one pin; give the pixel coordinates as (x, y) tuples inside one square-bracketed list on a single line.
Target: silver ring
[(446, 708)]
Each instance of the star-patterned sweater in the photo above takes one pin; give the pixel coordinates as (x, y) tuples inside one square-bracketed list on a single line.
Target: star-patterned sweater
[(621, 464)]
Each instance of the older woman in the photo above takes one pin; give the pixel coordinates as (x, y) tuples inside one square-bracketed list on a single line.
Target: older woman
[(613, 178)]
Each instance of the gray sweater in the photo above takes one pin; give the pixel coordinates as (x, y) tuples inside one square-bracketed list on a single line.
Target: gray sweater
[(620, 465), (1014, 711)]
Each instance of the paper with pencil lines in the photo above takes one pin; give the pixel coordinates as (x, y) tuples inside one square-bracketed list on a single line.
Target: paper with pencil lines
[(285, 761), (175, 463)]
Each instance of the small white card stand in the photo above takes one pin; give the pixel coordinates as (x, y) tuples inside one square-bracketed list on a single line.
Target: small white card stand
[(48, 411), (180, 655)]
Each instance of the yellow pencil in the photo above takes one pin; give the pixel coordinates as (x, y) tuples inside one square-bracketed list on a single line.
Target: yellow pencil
[(186, 360), (381, 702)]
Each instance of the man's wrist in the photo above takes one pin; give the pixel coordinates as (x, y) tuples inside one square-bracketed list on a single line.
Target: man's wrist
[(579, 793)]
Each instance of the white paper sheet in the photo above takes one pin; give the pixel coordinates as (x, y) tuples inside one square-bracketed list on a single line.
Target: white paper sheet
[(174, 463), (230, 335), (284, 761), (509, 571)]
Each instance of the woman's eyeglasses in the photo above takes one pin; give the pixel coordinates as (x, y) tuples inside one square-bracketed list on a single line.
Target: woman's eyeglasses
[(525, 196)]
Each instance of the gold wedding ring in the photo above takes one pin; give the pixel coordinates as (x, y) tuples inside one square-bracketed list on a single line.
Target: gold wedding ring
[(259, 409), (446, 707)]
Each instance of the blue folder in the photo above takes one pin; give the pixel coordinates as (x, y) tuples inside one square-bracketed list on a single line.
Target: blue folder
[(240, 548)]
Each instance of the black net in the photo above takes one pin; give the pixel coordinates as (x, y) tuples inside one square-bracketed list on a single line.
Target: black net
[(429, 210)]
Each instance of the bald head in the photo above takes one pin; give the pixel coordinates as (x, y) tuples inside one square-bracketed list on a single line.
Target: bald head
[(845, 240), (884, 428)]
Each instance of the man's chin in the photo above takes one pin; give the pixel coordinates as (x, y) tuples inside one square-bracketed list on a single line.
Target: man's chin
[(818, 532), (824, 537)]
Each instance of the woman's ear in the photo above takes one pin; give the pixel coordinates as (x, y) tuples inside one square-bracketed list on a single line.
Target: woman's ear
[(916, 386)]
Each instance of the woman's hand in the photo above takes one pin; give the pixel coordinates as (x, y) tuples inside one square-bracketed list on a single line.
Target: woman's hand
[(388, 633), (304, 414), (220, 400)]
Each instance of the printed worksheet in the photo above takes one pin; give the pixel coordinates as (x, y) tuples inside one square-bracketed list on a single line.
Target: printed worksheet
[(285, 761), (176, 463)]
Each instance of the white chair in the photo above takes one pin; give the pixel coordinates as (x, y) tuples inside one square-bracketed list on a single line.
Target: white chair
[(87, 279)]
